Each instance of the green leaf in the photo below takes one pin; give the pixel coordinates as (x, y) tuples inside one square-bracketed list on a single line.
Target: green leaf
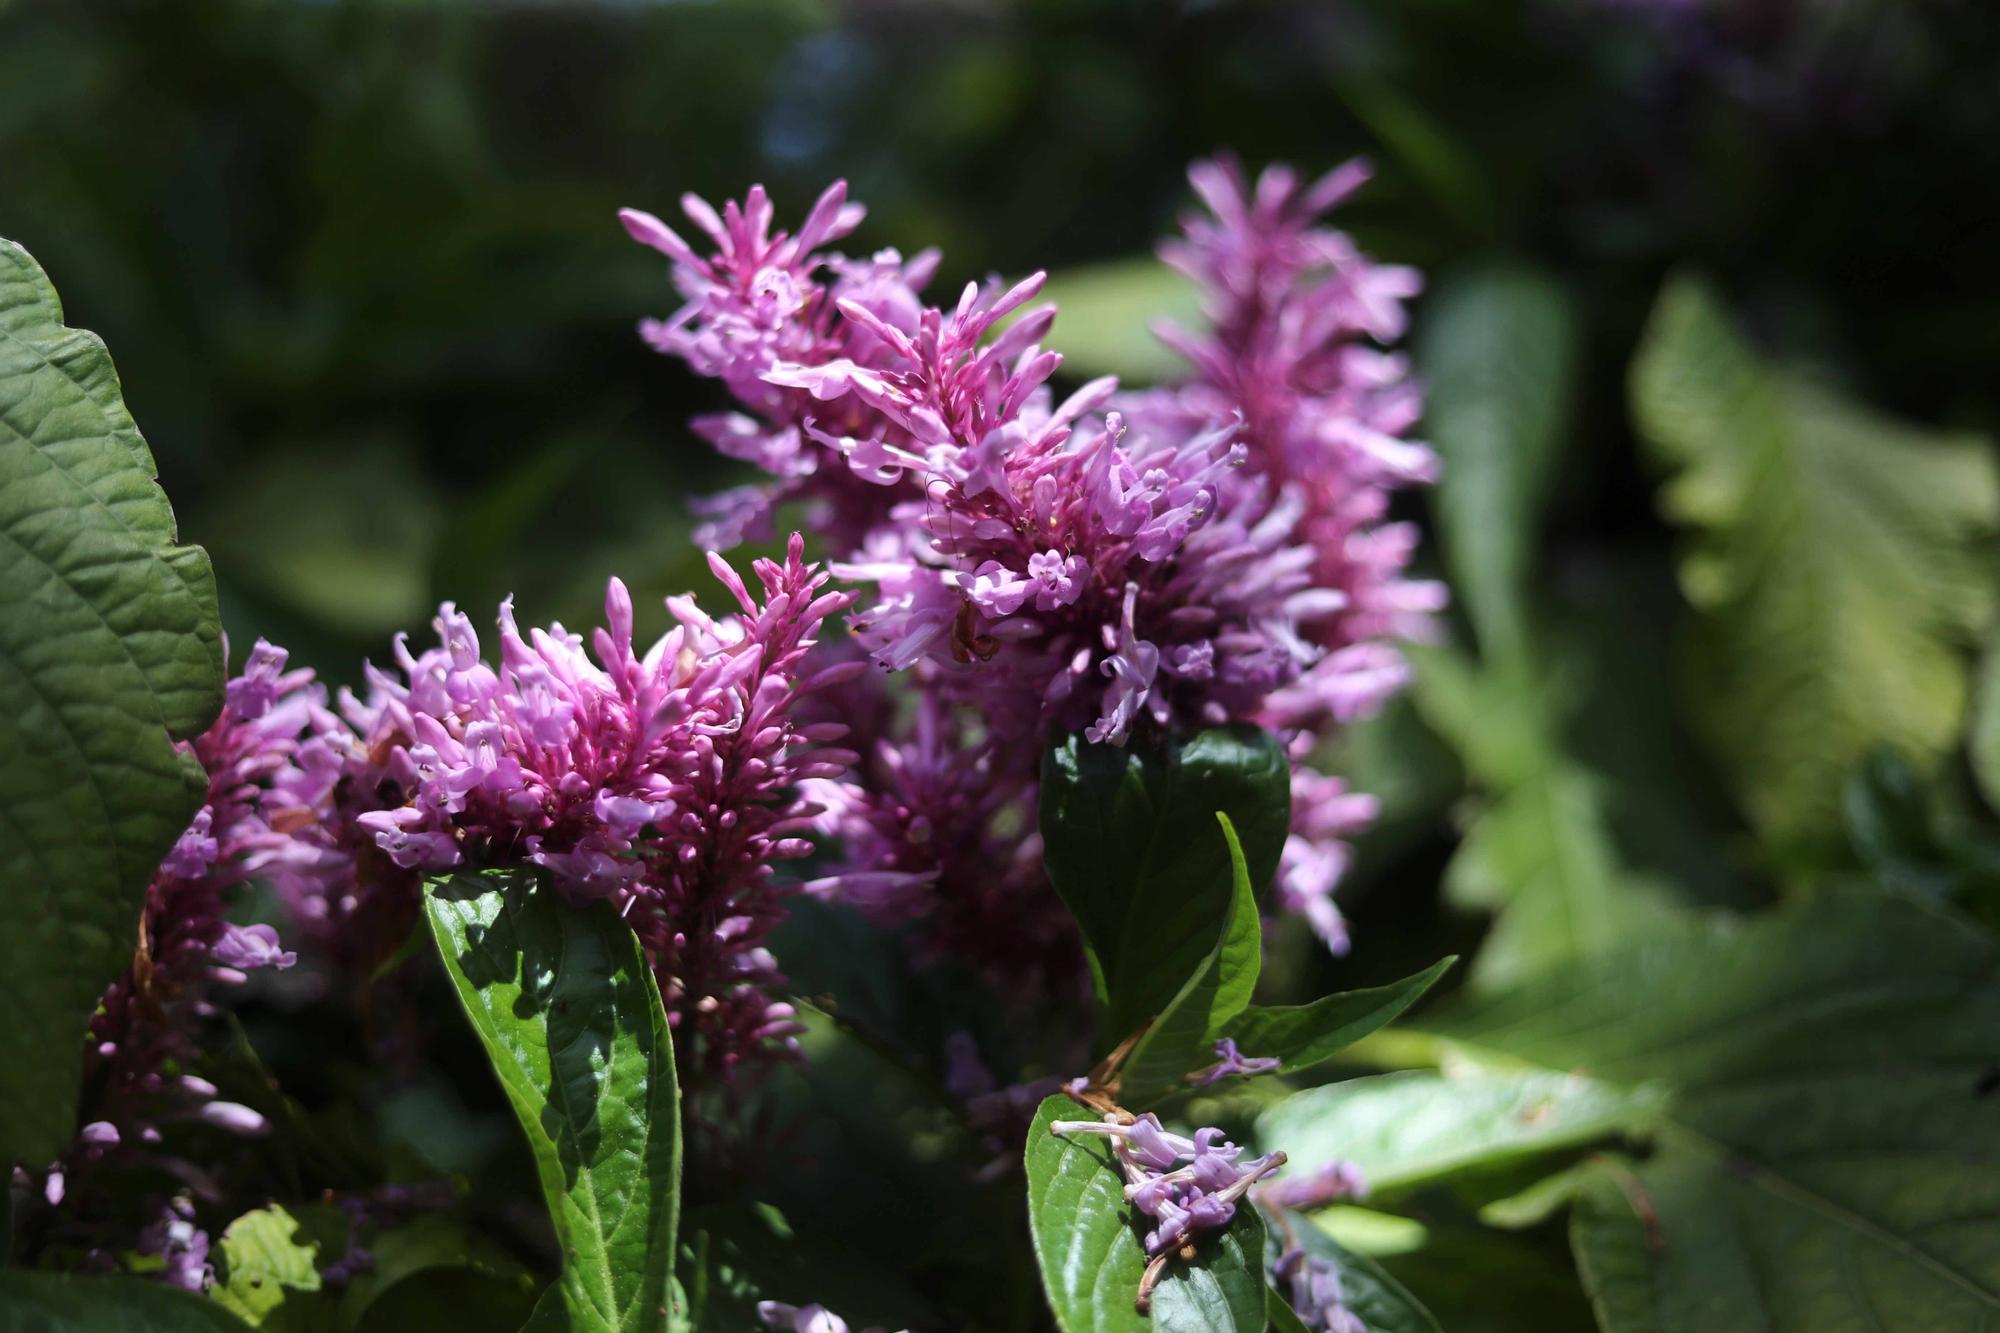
[(109, 650), (1305, 1034), (1838, 564), (1088, 1245), (1182, 1038), (1108, 313), (1543, 859), (569, 1014), (1829, 1152), (1131, 847), (1377, 1299), (56, 1303), (431, 1267), (1415, 1126), (1983, 745), (264, 1260), (1497, 354)]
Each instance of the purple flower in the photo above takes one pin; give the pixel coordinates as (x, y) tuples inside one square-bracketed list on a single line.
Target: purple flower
[(181, 1246), (667, 782), (1313, 1283), (1331, 1183), (1182, 1200), (802, 1319), (1230, 1063)]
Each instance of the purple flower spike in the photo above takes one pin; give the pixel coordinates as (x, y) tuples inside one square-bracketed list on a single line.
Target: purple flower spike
[(1186, 1186)]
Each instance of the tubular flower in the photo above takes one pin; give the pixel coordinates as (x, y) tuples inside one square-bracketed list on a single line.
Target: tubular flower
[(664, 783), (144, 1040)]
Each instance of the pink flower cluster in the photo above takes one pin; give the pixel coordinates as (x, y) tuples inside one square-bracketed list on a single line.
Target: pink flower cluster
[(668, 783), (1205, 552), (143, 1048)]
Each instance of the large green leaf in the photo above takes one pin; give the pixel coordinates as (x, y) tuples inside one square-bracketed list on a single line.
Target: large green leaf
[(1830, 1156), (1088, 1245), (1419, 1125), (1838, 564), (1497, 353), (1983, 744), (569, 1014), (1302, 1035), (109, 650), (1133, 850), (1182, 1038), (54, 1303)]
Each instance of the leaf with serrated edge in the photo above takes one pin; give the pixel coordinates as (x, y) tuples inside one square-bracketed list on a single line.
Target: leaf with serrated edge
[(110, 649), (569, 1014), (1825, 1157), (1838, 564), (1087, 1244)]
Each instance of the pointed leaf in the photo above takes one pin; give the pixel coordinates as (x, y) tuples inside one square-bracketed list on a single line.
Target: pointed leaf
[(109, 651), (569, 1014), (1182, 1038), (1131, 847), (1303, 1035)]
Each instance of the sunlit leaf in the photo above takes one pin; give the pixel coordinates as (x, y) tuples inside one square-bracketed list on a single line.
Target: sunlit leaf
[(109, 650), (1838, 564)]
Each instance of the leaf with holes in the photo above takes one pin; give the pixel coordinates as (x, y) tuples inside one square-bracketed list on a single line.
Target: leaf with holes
[(110, 650), (569, 1014)]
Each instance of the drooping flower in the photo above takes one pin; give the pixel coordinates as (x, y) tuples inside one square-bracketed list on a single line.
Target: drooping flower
[(1333, 1182), (802, 1318), (1187, 1185), (1232, 1063), (1325, 814), (665, 783), (1312, 1284)]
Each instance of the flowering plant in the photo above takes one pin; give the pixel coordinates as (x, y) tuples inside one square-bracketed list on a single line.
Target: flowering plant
[(885, 940)]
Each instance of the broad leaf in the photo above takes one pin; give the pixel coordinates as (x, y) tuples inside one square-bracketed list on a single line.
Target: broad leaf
[(109, 651), (434, 1268), (1497, 353), (1088, 1244), (1406, 1128), (1182, 1038), (1838, 564), (1829, 1153), (1132, 848), (569, 1014), (1370, 1294), (1303, 1035), (55, 1303)]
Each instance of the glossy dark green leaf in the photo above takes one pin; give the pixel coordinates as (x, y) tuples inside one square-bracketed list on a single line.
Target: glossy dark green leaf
[(1087, 1244), (1182, 1038), (1830, 1155), (1303, 1035), (109, 650), (1497, 352), (1131, 847), (569, 1014), (54, 1303)]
